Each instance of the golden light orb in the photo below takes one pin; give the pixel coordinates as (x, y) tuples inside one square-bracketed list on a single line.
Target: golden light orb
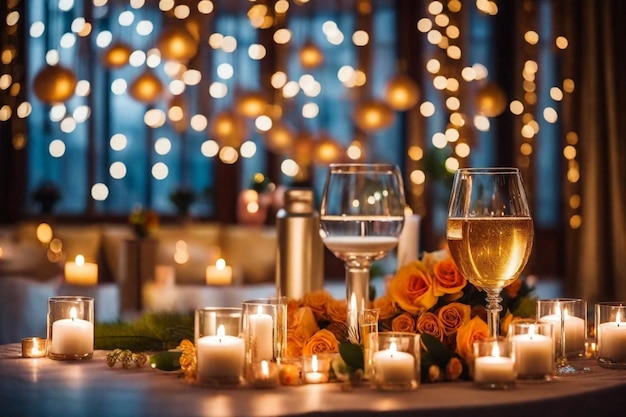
[(229, 129), (373, 115), (177, 43), (311, 56), (146, 88), (490, 100), (117, 55), (279, 138), (251, 104), (54, 84), (327, 150), (402, 93)]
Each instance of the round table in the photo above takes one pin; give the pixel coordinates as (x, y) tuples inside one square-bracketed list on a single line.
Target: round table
[(43, 387)]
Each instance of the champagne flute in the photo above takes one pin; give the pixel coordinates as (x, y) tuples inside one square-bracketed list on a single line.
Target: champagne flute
[(489, 231), (361, 217)]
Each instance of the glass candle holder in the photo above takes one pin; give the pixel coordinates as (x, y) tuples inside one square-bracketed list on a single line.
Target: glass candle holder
[(316, 369), (395, 359), (494, 364), (264, 325), (33, 347), (534, 349), (219, 349), (70, 327), (368, 324), (264, 374), (610, 321), (569, 324)]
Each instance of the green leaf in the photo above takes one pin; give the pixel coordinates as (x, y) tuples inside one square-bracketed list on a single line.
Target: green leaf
[(166, 361), (352, 355), (441, 354)]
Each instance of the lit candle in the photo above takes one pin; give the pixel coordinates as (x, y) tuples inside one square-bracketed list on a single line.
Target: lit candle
[(220, 356), (80, 272), (261, 336), (494, 368), (574, 329), (219, 274), (393, 366), (314, 376), (612, 339), (33, 347), (72, 336), (265, 374), (534, 353)]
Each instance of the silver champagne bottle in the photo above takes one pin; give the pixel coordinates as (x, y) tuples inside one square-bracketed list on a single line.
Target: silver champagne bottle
[(300, 257)]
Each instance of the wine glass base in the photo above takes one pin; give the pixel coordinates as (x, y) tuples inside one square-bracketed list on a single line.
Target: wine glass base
[(569, 370)]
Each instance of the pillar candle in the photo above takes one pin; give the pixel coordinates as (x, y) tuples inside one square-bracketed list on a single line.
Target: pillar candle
[(72, 336), (393, 366), (408, 243), (261, 336), (219, 274), (534, 354), (80, 272), (574, 331), (220, 356), (612, 340)]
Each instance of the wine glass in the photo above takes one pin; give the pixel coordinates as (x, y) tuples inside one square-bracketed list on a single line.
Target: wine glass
[(361, 217), (489, 231)]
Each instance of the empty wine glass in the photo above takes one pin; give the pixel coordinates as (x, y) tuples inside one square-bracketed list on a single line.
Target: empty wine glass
[(489, 231), (361, 217)]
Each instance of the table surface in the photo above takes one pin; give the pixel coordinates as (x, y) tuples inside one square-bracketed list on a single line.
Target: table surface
[(43, 387)]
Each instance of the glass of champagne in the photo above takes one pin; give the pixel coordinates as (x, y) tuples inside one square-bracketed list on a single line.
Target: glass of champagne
[(361, 217), (489, 231)]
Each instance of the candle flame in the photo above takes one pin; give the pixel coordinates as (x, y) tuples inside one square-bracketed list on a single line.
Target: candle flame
[(618, 318), (221, 331), (531, 330), (495, 351), (80, 260), (73, 313), (565, 312), (220, 264), (314, 363), (265, 369)]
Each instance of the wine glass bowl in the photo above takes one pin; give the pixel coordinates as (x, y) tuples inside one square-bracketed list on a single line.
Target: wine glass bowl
[(361, 217), (489, 231)]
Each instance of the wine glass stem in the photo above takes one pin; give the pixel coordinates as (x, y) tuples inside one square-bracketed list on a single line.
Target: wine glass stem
[(357, 293), (493, 312)]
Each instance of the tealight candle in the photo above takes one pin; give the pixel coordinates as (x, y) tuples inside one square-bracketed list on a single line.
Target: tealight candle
[(72, 337), (395, 360), (220, 358), (611, 335), (563, 312), (33, 347), (394, 366), (534, 351), (492, 369), (265, 374), (316, 369), (219, 274), (80, 272)]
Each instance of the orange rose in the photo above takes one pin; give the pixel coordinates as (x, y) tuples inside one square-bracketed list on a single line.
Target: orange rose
[(294, 345), (386, 307), (453, 316), (411, 288), (467, 334), (454, 369), (317, 301), (447, 278), (430, 324), (303, 326), (292, 307), (337, 310), (513, 288), (321, 342), (403, 323)]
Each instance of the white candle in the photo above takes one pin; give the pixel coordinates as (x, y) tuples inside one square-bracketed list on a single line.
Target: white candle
[(261, 336), (612, 339), (393, 366), (80, 272), (72, 336), (534, 354), (574, 330), (220, 356), (219, 274), (494, 368), (314, 376), (408, 243)]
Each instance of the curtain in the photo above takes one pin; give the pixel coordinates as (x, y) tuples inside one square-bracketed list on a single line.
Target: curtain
[(596, 251)]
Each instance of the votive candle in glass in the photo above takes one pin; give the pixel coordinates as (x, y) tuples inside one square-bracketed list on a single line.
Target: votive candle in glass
[(395, 359), (265, 374), (33, 347), (534, 349), (494, 364), (569, 322), (316, 369), (70, 327), (610, 320)]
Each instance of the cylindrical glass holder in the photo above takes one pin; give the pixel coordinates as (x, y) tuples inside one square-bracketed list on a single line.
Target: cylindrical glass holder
[(264, 325), (569, 323), (33, 347), (70, 327), (265, 374), (534, 349), (395, 359), (610, 322), (219, 348), (316, 369), (494, 364)]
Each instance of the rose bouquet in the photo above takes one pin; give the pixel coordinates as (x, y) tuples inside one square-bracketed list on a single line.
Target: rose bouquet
[(428, 296)]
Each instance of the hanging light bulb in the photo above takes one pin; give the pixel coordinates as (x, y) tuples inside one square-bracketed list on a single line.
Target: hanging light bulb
[(251, 104), (302, 149), (146, 88), (402, 93), (117, 55), (327, 150), (373, 115), (54, 84), (490, 100), (279, 138), (311, 56), (176, 43), (229, 129)]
